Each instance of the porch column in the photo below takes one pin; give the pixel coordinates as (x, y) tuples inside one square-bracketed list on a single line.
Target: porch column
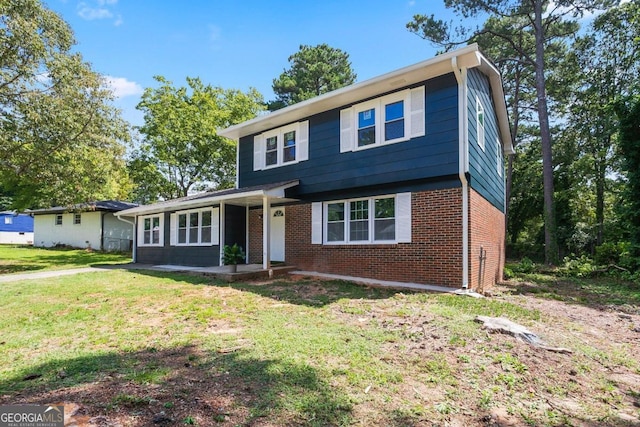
[(221, 227), (266, 233)]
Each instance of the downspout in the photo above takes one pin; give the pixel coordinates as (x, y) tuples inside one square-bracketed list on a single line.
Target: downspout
[(463, 166), (135, 236)]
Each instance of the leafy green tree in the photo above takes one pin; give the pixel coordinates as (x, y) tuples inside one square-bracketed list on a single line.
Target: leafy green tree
[(60, 137), (314, 70), (546, 22), (606, 61), (181, 148), (629, 114)]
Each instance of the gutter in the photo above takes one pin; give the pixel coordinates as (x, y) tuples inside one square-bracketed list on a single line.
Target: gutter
[(463, 163)]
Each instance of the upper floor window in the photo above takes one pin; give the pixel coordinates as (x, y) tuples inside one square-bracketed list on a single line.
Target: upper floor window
[(392, 118), (282, 146), (8, 220), (151, 230), (480, 123), (59, 219), (77, 219)]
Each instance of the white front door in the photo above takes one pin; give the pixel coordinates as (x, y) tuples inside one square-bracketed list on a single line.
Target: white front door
[(277, 234)]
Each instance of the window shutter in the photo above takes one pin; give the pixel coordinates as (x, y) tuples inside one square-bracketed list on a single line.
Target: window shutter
[(403, 217), (215, 226), (417, 112), (172, 230), (346, 130), (140, 230), (303, 141), (258, 157), (316, 223)]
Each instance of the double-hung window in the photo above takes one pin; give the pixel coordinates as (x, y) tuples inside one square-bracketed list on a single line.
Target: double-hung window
[(282, 146), (77, 219), (151, 230), (58, 219), (195, 227), (370, 220), (397, 117)]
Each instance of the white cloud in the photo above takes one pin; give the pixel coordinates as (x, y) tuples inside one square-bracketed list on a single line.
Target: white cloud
[(122, 87), (98, 9), (90, 13)]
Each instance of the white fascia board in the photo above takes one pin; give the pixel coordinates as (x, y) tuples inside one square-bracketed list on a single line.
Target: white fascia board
[(468, 56), (277, 192), (497, 92), (189, 204)]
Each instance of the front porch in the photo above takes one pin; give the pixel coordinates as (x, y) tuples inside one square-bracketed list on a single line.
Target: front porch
[(244, 271)]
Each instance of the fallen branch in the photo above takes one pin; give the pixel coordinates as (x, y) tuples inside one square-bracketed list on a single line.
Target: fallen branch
[(506, 326)]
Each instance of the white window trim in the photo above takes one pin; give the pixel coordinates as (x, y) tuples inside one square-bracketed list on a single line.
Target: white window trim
[(8, 220), (141, 231), (347, 219), (499, 158), (301, 147), (279, 134), (480, 129), (214, 227), (413, 115), (379, 104), (55, 220), (79, 216)]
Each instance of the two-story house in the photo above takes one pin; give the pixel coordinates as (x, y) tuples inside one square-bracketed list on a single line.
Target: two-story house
[(395, 178)]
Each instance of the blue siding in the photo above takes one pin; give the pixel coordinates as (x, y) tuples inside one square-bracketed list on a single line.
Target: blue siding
[(327, 170), (21, 223), (196, 256), (483, 172)]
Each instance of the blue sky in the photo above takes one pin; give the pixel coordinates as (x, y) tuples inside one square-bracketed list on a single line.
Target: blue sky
[(237, 44)]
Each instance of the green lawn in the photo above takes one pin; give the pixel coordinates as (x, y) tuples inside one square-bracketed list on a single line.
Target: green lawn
[(23, 259), (133, 346)]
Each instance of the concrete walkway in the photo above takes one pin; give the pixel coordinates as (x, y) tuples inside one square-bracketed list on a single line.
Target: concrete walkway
[(47, 274)]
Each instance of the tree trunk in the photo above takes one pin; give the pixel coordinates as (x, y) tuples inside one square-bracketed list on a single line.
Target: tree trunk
[(550, 236), (600, 168)]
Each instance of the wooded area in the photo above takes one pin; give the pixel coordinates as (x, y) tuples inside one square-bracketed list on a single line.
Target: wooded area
[(570, 71)]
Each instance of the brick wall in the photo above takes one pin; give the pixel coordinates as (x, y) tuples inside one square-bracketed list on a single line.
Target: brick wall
[(434, 256), (255, 236), (486, 230)]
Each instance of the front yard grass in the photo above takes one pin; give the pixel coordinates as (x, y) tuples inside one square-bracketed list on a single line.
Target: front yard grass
[(24, 259), (146, 348)]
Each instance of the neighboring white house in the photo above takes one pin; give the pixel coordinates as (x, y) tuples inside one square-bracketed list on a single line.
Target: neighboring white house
[(90, 225), (15, 228)]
